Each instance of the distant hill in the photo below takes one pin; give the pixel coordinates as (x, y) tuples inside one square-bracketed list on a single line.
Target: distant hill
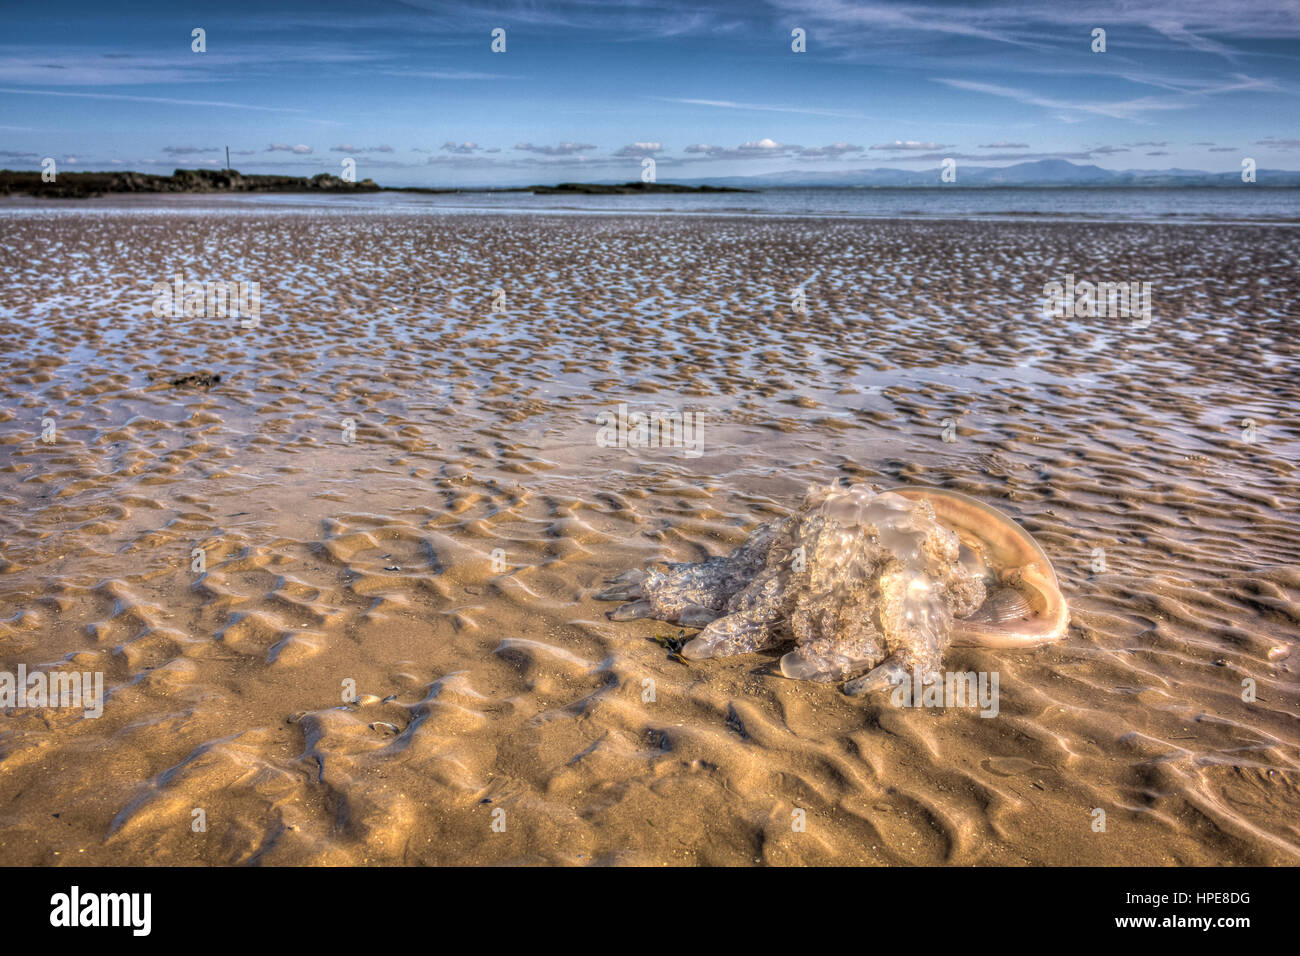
[(1041, 172)]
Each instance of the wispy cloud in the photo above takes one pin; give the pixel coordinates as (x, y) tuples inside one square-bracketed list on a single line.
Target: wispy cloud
[(1176, 31), (620, 21), (349, 148), (844, 19), (562, 149), (900, 145), (765, 148), (768, 108), (639, 150), (223, 104), (93, 66), (1200, 25), (1115, 109), (452, 75), (832, 151)]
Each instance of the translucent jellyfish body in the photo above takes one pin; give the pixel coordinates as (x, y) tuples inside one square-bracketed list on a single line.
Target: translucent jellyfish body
[(863, 583)]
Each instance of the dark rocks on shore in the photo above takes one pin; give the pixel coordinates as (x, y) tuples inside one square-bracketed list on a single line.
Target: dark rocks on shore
[(87, 185), (637, 187)]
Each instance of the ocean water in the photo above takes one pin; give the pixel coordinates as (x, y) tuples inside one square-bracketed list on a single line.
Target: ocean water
[(1255, 203)]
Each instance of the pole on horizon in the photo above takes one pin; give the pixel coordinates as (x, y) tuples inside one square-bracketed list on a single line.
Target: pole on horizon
[(227, 159)]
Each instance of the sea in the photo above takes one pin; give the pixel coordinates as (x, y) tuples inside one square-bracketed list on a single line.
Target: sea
[(1251, 203)]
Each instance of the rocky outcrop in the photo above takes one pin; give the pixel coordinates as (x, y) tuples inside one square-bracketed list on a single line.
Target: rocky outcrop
[(85, 185), (601, 189)]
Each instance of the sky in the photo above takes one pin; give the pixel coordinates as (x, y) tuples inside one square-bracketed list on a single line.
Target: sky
[(584, 91)]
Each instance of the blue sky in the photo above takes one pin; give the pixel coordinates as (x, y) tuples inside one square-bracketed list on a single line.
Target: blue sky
[(413, 92)]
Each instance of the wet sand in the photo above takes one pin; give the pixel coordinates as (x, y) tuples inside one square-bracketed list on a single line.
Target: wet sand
[(482, 689)]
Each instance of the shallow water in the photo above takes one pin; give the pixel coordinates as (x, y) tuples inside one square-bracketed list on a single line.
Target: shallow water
[(485, 689), (1243, 203)]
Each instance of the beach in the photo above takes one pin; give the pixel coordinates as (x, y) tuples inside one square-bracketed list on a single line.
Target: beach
[(337, 564)]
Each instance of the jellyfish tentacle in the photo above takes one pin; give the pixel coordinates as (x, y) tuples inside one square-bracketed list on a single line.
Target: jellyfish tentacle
[(884, 676), (632, 612), (692, 594), (752, 622), (732, 634)]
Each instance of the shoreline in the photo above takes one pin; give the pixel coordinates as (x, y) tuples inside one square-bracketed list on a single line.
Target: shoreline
[(308, 204)]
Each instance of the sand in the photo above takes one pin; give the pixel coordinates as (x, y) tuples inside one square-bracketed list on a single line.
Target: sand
[(497, 716)]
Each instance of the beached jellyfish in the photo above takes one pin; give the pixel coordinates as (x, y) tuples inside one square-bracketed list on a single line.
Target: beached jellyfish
[(864, 583)]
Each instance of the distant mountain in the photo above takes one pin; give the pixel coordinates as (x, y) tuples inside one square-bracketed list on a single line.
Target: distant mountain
[(1043, 172)]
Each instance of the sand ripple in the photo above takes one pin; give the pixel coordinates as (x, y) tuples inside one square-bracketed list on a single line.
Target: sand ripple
[(391, 654)]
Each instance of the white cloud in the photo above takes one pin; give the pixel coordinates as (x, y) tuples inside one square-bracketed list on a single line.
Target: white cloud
[(562, 149), (833, 151), (912, 145), (633, 150)]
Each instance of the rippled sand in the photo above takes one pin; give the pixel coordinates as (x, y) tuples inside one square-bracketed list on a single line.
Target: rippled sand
[(484, 690)]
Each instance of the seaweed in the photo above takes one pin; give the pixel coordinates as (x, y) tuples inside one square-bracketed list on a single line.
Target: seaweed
[(673, 645)]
